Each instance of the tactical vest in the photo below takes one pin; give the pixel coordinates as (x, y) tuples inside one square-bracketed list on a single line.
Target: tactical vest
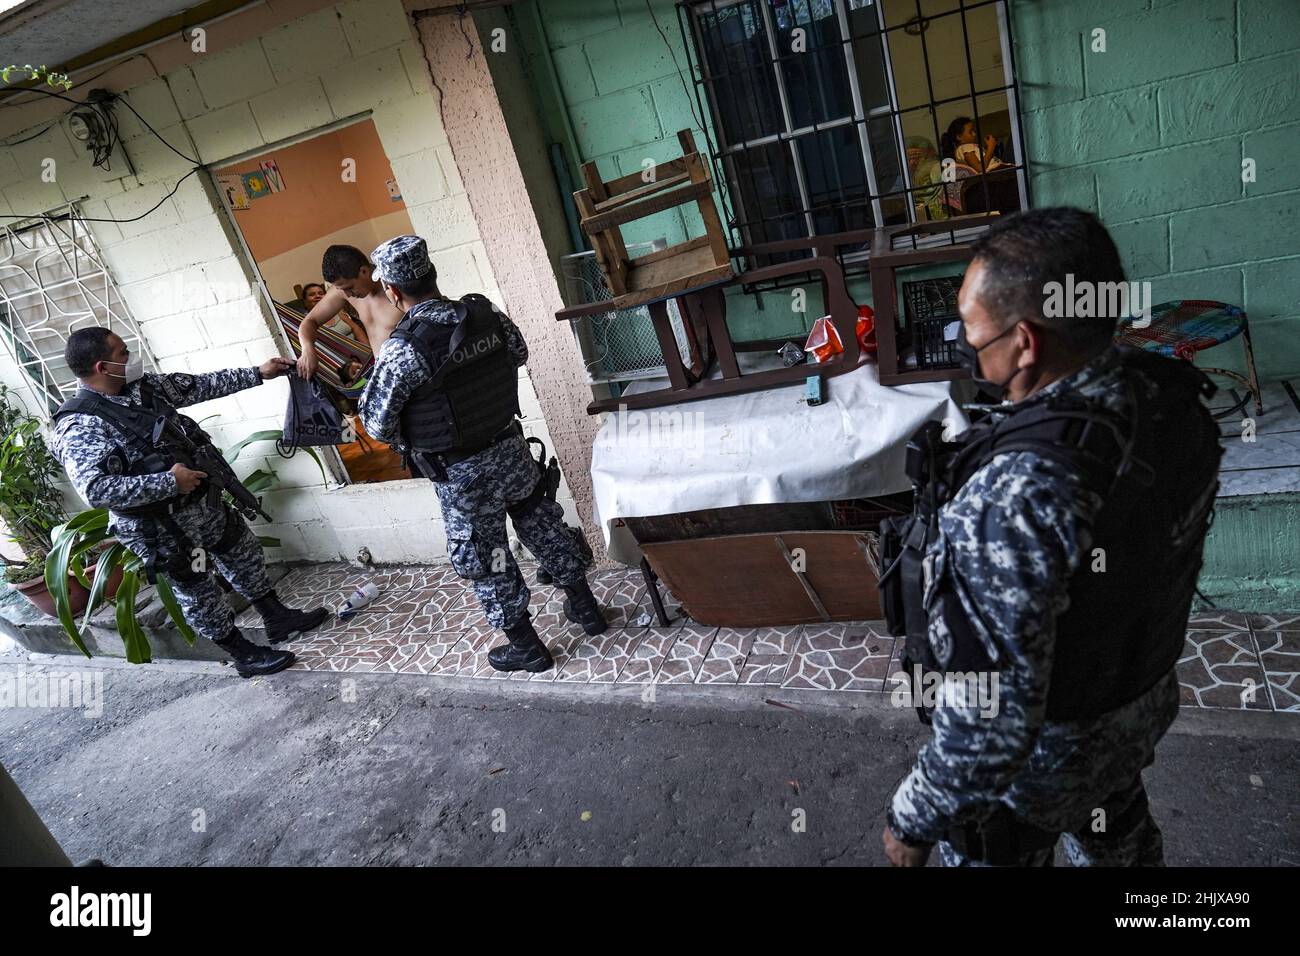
[(1156, 473), (141, 428), (474, 391)]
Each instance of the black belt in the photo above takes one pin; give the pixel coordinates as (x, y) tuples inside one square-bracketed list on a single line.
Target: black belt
[(456, 456), (434, 465), (1001, 840)]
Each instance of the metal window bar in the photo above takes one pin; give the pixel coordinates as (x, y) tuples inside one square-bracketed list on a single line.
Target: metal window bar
[(730, 157), (53, 281)]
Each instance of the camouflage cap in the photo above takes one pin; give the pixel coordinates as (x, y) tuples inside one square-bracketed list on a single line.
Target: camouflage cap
[(401, 259)]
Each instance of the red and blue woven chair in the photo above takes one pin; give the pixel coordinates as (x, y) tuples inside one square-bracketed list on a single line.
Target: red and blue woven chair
[(1183, 327)]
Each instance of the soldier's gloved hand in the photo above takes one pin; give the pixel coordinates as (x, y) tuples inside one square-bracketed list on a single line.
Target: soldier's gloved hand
[(187, 479), (275, 367)]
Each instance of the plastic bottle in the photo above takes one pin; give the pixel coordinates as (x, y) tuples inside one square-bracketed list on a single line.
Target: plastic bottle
[(360, 598)]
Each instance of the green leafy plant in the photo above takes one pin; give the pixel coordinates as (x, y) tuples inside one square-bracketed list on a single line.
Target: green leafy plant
[(30, 505), (75, 543), (11, 73)]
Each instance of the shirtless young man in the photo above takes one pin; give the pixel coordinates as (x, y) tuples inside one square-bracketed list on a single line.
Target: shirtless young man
[(347, 270)]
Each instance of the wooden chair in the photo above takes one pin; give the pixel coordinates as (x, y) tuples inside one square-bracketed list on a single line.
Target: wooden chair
[(605, 207), (704, 312)]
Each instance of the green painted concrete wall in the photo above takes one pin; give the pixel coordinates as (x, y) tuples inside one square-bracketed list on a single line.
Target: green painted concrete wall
[(1150, 134)]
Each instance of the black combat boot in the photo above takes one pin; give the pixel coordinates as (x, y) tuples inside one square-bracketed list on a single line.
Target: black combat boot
[(283, 622), (580, 607), (525, 652), (253, 659)]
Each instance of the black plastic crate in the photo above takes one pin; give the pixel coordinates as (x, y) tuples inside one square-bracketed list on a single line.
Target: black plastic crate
[(929, 305)]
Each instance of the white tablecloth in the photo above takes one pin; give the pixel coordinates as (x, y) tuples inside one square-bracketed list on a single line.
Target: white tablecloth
[(758, 448)]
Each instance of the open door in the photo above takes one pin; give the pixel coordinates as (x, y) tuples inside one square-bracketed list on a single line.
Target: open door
[(289, 204)]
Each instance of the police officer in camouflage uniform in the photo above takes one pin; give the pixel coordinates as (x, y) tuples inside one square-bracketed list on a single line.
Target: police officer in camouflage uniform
[(1064, 565), (160, 508), (444, 390)]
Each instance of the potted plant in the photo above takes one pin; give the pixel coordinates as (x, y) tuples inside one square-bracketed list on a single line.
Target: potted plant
[(74, 541), (30, 505)]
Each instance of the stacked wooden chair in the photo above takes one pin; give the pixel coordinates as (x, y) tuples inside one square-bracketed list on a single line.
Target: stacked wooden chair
[(605, 207)]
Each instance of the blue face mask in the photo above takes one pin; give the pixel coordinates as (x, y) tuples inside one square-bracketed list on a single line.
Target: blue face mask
[(969, 358)]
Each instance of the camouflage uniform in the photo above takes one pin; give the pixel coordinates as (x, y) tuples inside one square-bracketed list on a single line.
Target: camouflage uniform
[(1008, 543), (477, 490), (95, 456)]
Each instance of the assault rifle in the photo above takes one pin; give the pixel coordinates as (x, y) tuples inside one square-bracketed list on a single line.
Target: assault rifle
[(195, 450)]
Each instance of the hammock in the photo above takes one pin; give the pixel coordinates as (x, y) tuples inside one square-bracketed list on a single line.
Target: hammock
[(333, 352)]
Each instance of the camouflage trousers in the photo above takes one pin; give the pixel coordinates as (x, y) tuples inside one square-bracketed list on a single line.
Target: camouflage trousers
[(474, 499), (1130, 837), (201, 599)]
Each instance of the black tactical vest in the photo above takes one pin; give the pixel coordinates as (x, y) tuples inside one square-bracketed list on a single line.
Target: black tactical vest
[(474, 391), (1156, 473), (139, 426)]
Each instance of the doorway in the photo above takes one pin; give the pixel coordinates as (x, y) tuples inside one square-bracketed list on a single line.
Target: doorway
[(289, 204)]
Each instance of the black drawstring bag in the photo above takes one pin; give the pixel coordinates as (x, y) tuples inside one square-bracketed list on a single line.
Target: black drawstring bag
[(311, 418)]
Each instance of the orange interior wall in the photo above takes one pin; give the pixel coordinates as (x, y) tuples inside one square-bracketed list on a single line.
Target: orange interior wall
[(316, 201)]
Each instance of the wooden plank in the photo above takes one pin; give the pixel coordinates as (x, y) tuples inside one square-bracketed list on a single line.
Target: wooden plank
[(803, 579), (668, 344), (646, 189), (633, 180), (595, 185), (686, 265), (708, 211), (714, 307), (671, 251), (611, 255), (743, 581), (645, 207)]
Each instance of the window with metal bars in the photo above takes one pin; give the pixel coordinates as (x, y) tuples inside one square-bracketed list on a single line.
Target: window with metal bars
[(53, 281), (835, 115)]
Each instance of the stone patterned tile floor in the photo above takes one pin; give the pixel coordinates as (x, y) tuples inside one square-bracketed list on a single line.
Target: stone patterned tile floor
[(426, 621)]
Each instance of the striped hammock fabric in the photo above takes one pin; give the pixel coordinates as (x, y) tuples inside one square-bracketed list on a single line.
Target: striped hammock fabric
[(333, 352)]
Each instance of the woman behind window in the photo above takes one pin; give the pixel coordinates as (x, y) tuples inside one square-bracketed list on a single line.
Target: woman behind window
[(341, 323)]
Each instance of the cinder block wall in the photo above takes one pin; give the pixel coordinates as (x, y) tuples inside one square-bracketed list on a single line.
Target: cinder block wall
[(181, 272), (1152, 133)]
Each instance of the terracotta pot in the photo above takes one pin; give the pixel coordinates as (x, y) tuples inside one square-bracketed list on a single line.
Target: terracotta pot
[(36, 591)]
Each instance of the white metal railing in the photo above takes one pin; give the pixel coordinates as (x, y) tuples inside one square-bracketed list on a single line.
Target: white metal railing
[(53, 281)]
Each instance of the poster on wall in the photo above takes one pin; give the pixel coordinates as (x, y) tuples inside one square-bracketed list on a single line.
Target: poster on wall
[(273, 178), (232, 187), (255, 185)]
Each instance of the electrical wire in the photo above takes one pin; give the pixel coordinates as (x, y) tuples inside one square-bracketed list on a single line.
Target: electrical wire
[(28, 139), (41, 215), (118, 98), (123, 100), (100, 156)]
